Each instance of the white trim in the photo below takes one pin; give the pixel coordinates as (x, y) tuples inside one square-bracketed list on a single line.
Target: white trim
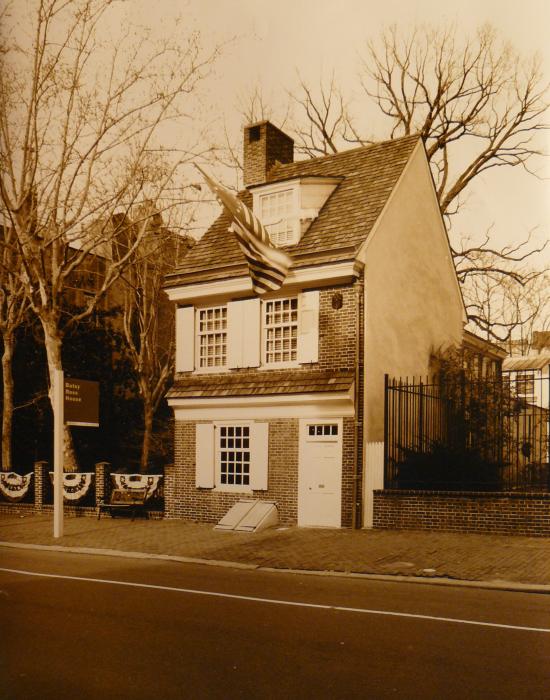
[(290, 324), (198, 335), (322, 274), (292, 217), (231, 488), (373, 479), (235, 408), (185, 339), (307, 345)]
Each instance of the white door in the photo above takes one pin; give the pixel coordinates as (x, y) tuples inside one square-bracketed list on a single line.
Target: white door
[(320, 473)]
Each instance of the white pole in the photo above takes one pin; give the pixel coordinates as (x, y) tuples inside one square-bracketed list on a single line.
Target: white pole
[(58, 439)]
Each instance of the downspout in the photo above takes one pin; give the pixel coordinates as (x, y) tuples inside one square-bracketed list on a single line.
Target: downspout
[(356, 519)]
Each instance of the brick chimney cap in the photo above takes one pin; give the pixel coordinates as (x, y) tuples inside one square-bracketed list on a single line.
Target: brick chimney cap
[(266, 122)]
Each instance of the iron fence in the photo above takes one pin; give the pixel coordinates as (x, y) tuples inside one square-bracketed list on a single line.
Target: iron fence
[(482, 435)]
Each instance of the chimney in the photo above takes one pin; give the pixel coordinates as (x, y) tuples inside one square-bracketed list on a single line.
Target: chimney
[(263, 145)]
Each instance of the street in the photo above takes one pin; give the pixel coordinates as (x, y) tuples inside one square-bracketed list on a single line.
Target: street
[(107, 627)]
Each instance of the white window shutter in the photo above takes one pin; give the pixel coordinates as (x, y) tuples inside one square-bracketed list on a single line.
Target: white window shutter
[(259, 448), (243, 333), (234, 334), (308, 330), (185, 339), (251, 333), (204, 455)]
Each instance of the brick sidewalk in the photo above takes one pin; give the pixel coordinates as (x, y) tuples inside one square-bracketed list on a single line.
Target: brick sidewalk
[(449, 555)]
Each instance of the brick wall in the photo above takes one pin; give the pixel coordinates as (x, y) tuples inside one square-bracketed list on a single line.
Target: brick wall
[(337, 329), (42, 501), (184, 500), (263, 145), (488, 513)]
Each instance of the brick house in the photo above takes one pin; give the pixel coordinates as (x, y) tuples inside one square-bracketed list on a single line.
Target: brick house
[(280, 397)]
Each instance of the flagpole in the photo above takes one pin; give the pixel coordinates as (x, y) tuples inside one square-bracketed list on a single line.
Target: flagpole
[(58, 450)]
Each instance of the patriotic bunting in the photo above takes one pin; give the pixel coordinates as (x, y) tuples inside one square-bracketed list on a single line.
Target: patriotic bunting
[(75, 484), (13, 486)]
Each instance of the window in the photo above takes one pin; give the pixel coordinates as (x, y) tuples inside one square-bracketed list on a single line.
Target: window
[(525, 384), (234, 455), (277, 213), (281, 331), (212, 337), (323, 430)]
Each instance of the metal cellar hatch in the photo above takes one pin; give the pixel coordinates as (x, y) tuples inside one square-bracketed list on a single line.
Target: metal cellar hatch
[(249, 515)]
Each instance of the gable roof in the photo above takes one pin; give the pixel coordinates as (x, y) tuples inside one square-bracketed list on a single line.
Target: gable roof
[(367, 175)]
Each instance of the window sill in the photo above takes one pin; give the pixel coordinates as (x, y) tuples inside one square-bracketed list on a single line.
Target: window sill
[(245, 491), (211, 370), (280, 365)]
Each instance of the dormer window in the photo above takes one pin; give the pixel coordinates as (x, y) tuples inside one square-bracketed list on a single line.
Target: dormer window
[(287, 208), (279, 216)]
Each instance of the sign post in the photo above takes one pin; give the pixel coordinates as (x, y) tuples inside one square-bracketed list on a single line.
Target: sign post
[(58, 450), (75, 402)]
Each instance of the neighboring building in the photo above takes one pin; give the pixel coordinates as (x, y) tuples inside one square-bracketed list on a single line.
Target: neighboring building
[(281, 397), (482, 358), (529, 377)]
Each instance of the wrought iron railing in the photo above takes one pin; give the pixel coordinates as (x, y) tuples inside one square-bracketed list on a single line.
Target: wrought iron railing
[(486, 435)]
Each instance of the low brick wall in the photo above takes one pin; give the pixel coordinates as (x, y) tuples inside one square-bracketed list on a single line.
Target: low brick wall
[(43, 495), (486, 513)]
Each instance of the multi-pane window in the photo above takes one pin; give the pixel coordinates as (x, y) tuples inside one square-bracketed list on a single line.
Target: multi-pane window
[(323, 430), (281, 330), (234, 451), (277, 214), (212, 334), (525, 384)]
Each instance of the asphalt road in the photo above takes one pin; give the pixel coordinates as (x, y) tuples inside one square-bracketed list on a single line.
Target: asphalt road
[(103, 627)]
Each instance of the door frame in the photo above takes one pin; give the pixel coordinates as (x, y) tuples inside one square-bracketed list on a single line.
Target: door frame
[(302, 494)]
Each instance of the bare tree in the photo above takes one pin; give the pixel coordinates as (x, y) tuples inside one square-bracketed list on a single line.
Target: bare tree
[(475, 103), (13, 310), (506, 303), (81, 116), (325, 121), (477, 106), (148, 317)]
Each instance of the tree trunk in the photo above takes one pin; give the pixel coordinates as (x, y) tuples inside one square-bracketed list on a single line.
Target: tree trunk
[(53, 353), (147, 435), (7, 401)]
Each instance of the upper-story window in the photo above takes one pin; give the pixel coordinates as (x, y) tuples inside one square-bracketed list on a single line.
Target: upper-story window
[(212, 337), (525, 384), (281, 330), (279, 216)]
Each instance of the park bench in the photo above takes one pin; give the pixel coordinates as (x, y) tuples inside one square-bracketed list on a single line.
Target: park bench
[(124, 500)]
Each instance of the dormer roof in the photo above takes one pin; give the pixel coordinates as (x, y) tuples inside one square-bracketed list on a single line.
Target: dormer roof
[(366, 175)]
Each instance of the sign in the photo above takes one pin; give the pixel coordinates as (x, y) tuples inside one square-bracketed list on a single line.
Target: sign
[(81, 402)]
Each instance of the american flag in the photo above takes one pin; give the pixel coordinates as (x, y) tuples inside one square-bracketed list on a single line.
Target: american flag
[(268, 266)]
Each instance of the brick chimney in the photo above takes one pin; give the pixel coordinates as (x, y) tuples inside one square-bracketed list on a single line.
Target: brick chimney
[(263, 145)]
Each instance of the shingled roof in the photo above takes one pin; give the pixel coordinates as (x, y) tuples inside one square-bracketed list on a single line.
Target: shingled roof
[(256, 383), (368, 176)]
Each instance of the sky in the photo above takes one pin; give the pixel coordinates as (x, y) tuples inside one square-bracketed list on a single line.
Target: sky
[(266, 42), (271, 41)]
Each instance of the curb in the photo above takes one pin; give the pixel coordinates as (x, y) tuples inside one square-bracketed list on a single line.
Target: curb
[(496, 585)]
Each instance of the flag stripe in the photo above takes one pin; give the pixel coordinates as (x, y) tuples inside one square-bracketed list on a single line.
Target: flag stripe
[(267, 266)]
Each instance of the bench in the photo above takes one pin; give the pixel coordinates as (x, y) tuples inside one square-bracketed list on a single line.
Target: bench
[(124, 500)]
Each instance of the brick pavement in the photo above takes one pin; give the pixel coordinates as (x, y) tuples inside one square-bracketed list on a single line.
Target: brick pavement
[(414, 553)]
